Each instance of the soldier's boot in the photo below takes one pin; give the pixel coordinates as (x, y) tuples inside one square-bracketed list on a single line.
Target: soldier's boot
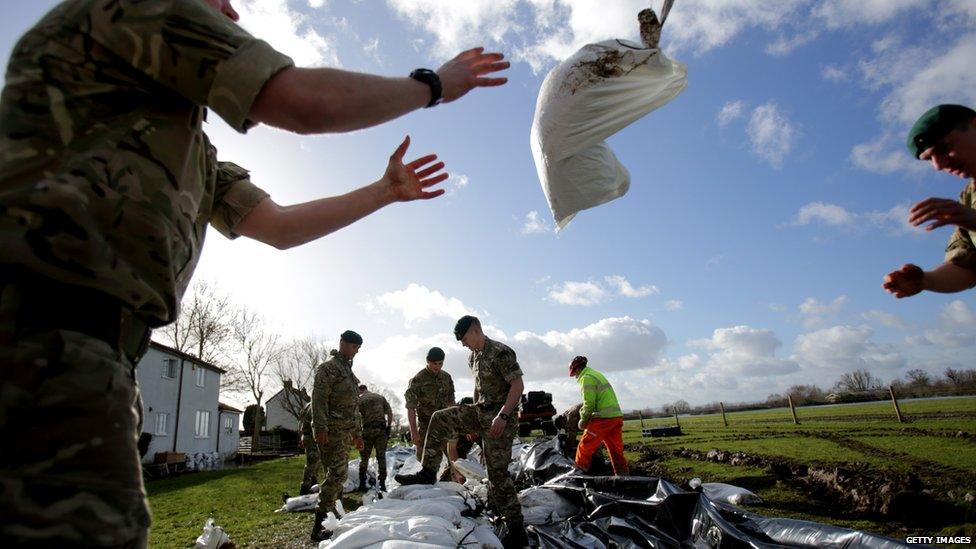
[(424, 476), (362, 482), (305, 489), (319, 533), (382, 484), (516, 537)]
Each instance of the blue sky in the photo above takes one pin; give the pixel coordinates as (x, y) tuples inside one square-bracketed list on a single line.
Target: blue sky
[(767, 200)]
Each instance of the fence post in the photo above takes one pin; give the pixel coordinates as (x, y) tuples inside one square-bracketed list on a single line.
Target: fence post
[(894, 401), (676, 422), (725, 421), (641, 414), (789, 398)]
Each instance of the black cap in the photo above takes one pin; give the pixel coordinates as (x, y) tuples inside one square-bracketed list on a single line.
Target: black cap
[(435, 354), (362, 387), (934, 125), (462, 326), (351, 337)]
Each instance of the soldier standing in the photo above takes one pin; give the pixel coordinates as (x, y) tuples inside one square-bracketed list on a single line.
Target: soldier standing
[(377, 421), (498, 387), (107, 185), (430, 390), (312, 458), (336, 423)]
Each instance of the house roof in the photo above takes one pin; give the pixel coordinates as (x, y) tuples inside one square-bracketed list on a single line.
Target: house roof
[(180, 354), (303, 396), (228, 408)]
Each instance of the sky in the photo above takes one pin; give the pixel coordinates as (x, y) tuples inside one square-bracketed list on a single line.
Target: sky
[(767, 200)]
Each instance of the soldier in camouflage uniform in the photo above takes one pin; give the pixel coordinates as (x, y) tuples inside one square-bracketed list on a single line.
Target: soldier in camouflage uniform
[(494, 416), (312, 458), (569, 422), (336, 423), (377, 421), (107, 185), (944, 136), (431, 389)]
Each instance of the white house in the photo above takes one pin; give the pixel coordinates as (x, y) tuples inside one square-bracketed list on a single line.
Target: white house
[(181, 411), (282, 407)]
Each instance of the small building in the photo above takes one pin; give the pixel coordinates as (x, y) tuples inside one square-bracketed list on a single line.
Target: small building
[(229, 434), (181, 411), (283, 408)]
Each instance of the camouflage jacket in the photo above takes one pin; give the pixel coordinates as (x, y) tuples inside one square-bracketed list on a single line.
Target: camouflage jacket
[(107, 180), (572, 417), (335, 397), (429, 392), (961, 251), (494, 368), (373, 408)]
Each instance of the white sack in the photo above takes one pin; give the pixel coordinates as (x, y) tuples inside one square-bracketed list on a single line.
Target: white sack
[(213, 537), (719, 491), (545, 506), (601, 89)]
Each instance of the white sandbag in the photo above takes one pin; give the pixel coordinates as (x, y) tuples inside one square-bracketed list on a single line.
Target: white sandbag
[(299, 504), (601, 89), (719, 491), (213, 537), (545, 506), (422, 531), (470, 469)]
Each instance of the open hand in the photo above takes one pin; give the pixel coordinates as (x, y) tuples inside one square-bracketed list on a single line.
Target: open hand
[(466, 72), (904, 282), (409, 181), (497, 427), (942, 211)]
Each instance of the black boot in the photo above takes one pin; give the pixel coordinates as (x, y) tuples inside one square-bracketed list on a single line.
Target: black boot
[(362, 481), (305, 489), (383, 484), (424, 476), (319, 533), (516, 537)]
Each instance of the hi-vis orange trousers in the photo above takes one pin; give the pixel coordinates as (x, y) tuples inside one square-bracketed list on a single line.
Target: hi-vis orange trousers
[(608, 432)]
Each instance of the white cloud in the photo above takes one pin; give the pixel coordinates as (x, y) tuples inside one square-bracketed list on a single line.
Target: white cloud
[(885, 155), (578, 293), (731, 110), (744, 351), (848, 13), (592, 292), (771, 134), (535, 224), (392, 362), (417, 303), (956, 327), (371, 49), (816, 312), (288, 31), (894, 220), (457, 26), (834, 74), (315, 4), (845, 349), (674, 304), (784, 45), (885, 319), (625, 289)]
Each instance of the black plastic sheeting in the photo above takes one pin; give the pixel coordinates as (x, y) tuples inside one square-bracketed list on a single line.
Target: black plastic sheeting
[(648, 512)]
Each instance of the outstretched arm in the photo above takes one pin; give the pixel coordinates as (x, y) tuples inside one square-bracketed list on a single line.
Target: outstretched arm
[(946, 278), (287, 226), (331, 100)]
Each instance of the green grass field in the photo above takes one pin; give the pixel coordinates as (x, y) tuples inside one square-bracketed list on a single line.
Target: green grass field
[(243, 500)]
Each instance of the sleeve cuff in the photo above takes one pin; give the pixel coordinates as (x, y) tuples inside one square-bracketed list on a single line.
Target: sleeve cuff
[(241, 78), (237, 202)]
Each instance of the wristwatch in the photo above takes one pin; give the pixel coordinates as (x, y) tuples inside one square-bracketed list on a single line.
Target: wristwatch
[(430, 78)]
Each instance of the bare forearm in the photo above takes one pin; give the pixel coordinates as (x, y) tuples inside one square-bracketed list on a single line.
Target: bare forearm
[(949, 278), (412, 420), (288, 226), (327, 100), (452, 454), (514, 393)]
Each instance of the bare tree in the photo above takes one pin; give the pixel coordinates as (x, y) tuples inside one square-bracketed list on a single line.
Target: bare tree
[(204, 324), (295, 371), (917, 376), (803, 394), (256, 352), (858, 381)]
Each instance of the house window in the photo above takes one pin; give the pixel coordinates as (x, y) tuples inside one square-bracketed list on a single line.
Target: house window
[(201, 377), (161, 420), (202, 429), (169, 368), (228, 425)]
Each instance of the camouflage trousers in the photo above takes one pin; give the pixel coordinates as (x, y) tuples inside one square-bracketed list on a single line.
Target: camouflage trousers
[(335, 462), (456, 421), (313, 461), (70, 416), (373, 440)]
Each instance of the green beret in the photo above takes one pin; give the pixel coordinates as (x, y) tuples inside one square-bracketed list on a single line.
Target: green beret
[(462, 326), (351, 337), (435, 354), (935, 124)]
